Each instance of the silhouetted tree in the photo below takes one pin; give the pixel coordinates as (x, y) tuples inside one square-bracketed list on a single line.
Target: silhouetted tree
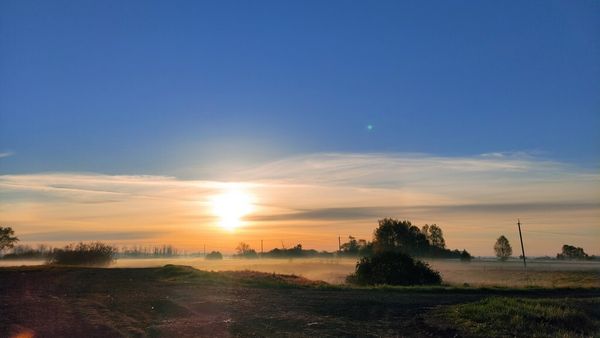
[(244, 251), (465, 256), (7, 238), (214, 255), (571, 252), (503, 248), (354, 247), (393, 268), (242, 248), (394, 235), (434, 235)]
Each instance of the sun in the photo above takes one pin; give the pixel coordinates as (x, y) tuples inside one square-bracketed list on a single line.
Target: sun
[(231, 206)]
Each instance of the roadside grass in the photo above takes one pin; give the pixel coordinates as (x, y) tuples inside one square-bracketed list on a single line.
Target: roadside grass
[(504, 316)]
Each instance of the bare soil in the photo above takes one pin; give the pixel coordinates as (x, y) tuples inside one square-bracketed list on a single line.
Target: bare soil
[(181, 302)]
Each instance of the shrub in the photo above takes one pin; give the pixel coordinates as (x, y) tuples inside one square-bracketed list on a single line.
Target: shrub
[(92, 254), (465, 256), (251, 254), (393, 268), (214, 255)]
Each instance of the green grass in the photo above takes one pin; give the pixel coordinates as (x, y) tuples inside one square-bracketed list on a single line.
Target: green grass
[(503, 316)]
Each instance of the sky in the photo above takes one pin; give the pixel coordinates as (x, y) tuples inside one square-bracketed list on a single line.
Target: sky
[(122, 121)]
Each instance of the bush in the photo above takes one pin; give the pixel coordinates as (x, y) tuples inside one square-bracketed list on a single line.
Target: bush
[(92, 254), (214, 255), (465, 256), (251, 254), (393, 268)]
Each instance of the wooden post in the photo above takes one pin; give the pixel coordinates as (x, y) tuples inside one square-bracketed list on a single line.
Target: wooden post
[(522, 247)]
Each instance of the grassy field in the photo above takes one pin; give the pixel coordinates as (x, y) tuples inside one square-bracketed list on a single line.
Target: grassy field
[(511, 317), (176, 301)]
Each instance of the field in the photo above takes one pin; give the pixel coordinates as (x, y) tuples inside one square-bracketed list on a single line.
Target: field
[(177, 301), (479, 272)]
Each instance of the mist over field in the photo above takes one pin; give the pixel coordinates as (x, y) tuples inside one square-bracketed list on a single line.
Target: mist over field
[(479, 272), (476, 273)]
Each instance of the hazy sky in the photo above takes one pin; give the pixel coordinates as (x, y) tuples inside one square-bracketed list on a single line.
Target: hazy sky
[(121, 120)]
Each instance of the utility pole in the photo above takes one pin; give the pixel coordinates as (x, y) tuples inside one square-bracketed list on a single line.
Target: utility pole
[(522, 247), (261, 247), (204, 250), (339, 243)]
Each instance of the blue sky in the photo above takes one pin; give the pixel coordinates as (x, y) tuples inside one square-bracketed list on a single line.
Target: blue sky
[(126, 120), (154, 87)]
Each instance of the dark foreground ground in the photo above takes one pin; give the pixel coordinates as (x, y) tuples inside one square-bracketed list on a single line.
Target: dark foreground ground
[(176, 301)]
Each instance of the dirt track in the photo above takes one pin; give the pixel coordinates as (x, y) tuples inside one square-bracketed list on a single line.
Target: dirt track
[(53, 302)]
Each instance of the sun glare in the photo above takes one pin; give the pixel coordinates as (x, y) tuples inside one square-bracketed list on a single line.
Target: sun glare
[(231, 206)]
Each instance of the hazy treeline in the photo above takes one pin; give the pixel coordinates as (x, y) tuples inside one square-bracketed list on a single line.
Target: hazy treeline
[(244, 250), (43, 251)]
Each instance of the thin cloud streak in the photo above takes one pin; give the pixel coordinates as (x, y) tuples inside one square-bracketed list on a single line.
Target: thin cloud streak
[(73, 235), (353, 213)]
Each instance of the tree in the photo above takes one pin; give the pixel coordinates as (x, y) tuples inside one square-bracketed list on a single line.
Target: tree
[(465, 256), (242, 248), (394, 235), (7, 238), (244, 251), (354, 247), (503, 248), (434, 235), (572, 252), (214, 255)]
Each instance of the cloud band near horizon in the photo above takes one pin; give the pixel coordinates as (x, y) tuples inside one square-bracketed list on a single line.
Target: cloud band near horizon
[(474, 199)]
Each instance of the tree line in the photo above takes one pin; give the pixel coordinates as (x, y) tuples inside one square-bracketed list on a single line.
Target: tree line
[(503, 251), (390, 235)]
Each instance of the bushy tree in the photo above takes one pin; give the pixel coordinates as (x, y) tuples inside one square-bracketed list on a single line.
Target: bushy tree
[(572, 252), (214, 255), (393, 268), (395, 235), (465, 256), (502, 248), (434, 235), (244, 251), (7, 238)]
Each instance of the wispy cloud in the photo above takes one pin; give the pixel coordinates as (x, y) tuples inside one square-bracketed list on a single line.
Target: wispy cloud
[(76, 235), (6, 154)]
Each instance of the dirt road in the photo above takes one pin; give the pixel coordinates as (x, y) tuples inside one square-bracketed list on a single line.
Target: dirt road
[(182, 302)]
